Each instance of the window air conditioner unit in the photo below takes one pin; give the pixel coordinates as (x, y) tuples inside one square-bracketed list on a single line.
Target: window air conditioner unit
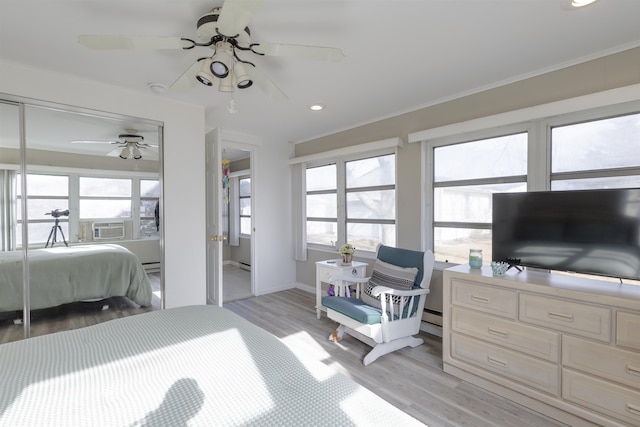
[(108, 230)]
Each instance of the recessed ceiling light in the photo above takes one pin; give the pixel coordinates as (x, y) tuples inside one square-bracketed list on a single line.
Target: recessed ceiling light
[(316, 107), (580, 3)]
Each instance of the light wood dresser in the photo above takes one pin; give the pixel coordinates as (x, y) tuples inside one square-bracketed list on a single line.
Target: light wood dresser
[(562, 345)]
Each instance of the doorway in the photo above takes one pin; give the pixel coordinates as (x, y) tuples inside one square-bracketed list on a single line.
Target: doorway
[(230, 220)]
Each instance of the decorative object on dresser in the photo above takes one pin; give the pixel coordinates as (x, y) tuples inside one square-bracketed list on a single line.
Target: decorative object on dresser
[(565, 346), (346, 251), (387, 311)]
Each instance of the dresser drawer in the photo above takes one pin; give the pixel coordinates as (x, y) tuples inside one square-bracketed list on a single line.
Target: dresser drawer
[(607, 398), (516, 336), (530, 371), (628, 330), (608, 362), (488, 299), (580, 319)]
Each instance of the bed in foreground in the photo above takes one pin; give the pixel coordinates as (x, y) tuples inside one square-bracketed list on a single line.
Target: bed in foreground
[(197, 365), (76, 273)]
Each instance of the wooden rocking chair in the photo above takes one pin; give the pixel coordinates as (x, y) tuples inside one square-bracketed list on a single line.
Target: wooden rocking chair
[(387, 309)]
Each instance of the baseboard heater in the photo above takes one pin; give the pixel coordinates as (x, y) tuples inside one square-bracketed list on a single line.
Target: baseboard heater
[(432, 316)]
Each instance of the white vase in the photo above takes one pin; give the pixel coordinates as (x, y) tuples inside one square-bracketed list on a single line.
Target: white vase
[(346, 259)]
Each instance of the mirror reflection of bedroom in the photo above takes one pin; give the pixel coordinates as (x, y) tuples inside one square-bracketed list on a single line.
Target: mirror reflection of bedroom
[(80, 201), (236, 212)]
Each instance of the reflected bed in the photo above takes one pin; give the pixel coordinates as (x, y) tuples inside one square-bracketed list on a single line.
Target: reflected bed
[(198, 365), (68, 274)]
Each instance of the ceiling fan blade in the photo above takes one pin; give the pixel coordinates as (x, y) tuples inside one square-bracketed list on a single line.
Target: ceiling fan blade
[(82, 141), (300, 51), (266, 85), (133, 42), (235, 16), (188, 79), (115, 153)]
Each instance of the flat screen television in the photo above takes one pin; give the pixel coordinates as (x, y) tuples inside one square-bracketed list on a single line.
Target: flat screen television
[(583, 231)]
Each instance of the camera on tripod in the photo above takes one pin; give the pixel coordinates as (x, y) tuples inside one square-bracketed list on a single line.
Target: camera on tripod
[(53, 236), (57, 213)]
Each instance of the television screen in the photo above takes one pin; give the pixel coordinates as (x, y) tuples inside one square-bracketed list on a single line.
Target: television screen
[(586, 231)]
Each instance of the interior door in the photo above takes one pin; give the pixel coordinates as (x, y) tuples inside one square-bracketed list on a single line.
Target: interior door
[(215, 236)]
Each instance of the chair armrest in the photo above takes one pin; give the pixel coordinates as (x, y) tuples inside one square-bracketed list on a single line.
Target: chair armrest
[(383, 289)]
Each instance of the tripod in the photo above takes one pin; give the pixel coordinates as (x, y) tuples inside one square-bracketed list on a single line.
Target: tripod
[(54, 233)]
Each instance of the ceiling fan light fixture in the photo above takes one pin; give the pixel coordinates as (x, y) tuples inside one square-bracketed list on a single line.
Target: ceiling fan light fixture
[(226, 84), (220, 59), (241, 76), (136, 153), (204, 76), (124, 154)]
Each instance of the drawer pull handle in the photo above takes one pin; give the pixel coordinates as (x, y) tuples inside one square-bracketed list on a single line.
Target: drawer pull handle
[(497, 362), (633, 370), (635, 410), (497, 332), (480, 299), (562, 316)]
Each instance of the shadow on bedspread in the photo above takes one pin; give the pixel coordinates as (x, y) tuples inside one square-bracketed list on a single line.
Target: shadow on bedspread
[(203, 364)]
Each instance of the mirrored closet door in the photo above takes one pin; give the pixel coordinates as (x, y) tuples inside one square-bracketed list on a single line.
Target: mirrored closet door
[(80, 218)]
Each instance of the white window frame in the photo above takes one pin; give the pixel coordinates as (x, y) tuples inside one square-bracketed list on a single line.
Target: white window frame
[(240, 216), (539, 174), (341, 194), (430, 184), (74, 197)]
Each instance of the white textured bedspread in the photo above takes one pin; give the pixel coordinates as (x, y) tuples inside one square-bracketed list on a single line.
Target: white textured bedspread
[(196, 366), (75, 273)]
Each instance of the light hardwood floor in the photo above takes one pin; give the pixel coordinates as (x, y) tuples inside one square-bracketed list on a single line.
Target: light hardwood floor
[(411, 379)]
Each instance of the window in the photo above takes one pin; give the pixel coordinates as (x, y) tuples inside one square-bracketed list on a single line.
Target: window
[(46, 194), (352, 200), (322, 205), (105, 197), (371, 202), (592, 149), (244, 194), (465, 176), (601, 153)]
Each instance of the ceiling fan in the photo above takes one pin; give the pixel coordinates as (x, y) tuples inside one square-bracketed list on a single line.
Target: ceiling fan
[(130, 145), (224, 30)]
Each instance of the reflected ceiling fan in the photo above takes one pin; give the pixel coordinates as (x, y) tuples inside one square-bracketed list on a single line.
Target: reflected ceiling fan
[(129, 145), (224, 30)]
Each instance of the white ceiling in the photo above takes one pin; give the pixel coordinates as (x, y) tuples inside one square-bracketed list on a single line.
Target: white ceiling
[(399, 55)]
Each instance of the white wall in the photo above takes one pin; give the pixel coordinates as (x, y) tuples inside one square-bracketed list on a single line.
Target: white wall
[(184, 130), (274, 267)]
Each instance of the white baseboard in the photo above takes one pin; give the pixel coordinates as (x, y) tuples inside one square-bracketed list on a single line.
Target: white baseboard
[(305, 287)]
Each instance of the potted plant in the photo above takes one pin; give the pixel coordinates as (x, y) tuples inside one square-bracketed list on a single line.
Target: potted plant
[(347, 250)]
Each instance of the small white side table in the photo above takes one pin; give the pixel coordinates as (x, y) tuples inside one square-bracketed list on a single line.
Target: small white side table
[(333, 267)]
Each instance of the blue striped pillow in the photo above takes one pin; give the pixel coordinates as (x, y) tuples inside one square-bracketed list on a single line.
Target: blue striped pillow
[(391, 276)]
